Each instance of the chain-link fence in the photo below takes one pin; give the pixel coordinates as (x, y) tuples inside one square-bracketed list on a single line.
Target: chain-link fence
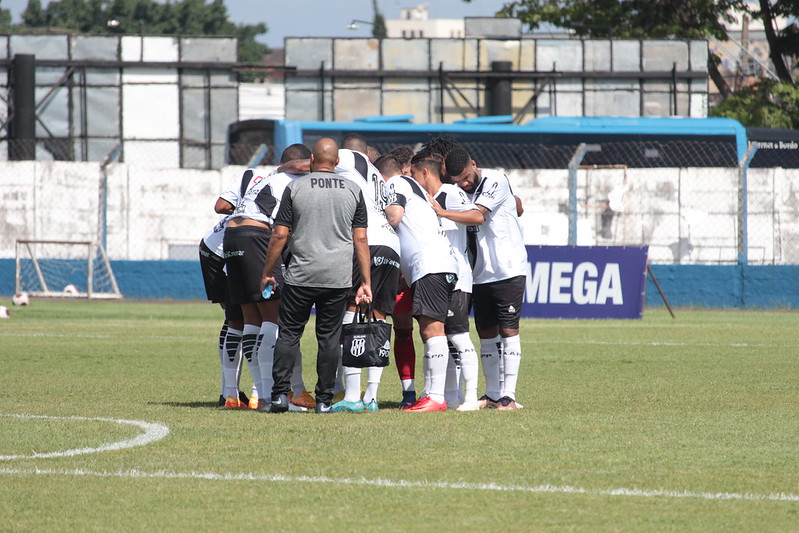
[(715, 210)]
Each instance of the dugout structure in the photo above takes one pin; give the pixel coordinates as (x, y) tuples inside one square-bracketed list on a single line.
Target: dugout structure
[(76, 269)]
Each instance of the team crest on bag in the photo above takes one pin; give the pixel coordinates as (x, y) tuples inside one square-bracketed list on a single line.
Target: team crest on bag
[(358, 346)]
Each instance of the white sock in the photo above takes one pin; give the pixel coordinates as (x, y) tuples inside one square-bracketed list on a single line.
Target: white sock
[(341, 376), (266, 356), (436, 353), (452, 384), (352, 383), (408, 384), (373, 375), (469, 365), (489, 356), (231, 362), (512, 356), (249, 347)]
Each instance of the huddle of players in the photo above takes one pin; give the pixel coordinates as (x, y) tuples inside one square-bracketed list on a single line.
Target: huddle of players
[(443, 235)]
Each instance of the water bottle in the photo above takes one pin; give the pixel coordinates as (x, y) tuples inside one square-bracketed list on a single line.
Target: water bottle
[(268, 291)]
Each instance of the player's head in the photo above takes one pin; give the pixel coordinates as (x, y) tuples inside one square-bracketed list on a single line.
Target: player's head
[(372, 153), (388, 166), (354, 141), (462, 169), (441, 144), (295, 151), (324, 156), (426, 164), (403, 153)]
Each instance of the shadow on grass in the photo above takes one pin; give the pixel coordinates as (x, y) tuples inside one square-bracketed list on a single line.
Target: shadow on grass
[(192, 405)]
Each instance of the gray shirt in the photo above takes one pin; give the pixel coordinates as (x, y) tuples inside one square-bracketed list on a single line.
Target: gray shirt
[(321, 209)]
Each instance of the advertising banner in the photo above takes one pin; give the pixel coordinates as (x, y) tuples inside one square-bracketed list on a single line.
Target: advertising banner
[(585, 282)]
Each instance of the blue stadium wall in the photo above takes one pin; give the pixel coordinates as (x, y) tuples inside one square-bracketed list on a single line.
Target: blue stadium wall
[(726, 286)]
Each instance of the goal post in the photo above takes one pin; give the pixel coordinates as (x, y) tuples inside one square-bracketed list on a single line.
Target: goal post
[(76, 269)]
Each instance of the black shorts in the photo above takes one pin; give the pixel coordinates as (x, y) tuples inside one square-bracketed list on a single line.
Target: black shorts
[(432, 295), (458, 315), (385, 273), (214, 277), (245, 255), (498, 303)]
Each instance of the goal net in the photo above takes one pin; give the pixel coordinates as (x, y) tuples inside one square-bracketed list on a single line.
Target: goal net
[(77, 269)]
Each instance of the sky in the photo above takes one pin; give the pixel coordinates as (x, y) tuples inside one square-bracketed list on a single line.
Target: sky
[(321, 18)]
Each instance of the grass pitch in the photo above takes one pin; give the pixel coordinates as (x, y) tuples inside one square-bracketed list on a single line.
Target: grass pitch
[(688, 425)]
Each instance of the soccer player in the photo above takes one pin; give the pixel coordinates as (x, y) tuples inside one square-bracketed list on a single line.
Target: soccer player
[(384, 248), (246, 240), (404, 349), (456, 212), (429, 265), (212, 265), (328, 219), (499, 275)]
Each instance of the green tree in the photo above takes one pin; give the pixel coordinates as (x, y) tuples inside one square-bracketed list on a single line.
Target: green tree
[(175, 17), (33, 15), (766, 104), (5, 19), (379, 30)]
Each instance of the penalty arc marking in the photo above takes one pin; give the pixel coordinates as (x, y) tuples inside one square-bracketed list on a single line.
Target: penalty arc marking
[(152, 433)]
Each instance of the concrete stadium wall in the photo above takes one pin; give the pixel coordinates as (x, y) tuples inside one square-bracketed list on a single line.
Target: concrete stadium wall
[(686, 216)]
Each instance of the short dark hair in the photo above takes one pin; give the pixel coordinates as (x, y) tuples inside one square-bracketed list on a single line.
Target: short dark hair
[(428, 159), (354, 141), (457, 161), (388, 165), (403, 153), (295, 151), (441, 144)]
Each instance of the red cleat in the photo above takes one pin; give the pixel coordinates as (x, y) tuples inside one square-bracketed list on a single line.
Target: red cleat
[(424, 405)]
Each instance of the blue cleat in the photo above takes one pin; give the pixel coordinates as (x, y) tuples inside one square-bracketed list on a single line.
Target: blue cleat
[(344, 406), (371, 406)]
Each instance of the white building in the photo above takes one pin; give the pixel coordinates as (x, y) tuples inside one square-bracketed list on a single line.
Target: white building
[(414, 23)]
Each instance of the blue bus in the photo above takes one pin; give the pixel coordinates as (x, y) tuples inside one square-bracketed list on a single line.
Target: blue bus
[(548, 142)]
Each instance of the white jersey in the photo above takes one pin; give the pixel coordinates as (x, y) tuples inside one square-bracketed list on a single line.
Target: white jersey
[(215, 236), (425, 248), (356, 167), (261, 198), (500, 251), (453, 198)]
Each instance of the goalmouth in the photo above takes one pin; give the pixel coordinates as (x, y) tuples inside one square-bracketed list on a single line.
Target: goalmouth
[(71, 269)]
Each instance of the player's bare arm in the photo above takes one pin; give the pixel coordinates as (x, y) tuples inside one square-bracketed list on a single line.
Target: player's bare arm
[(519, 206), (223, 207), (394, 214), (276, 244), (361, 244), (295, 166), (470, 217)]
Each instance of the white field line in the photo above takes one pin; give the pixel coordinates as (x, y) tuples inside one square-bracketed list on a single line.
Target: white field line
[(388, 483), (152, 433), (524, 341)]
